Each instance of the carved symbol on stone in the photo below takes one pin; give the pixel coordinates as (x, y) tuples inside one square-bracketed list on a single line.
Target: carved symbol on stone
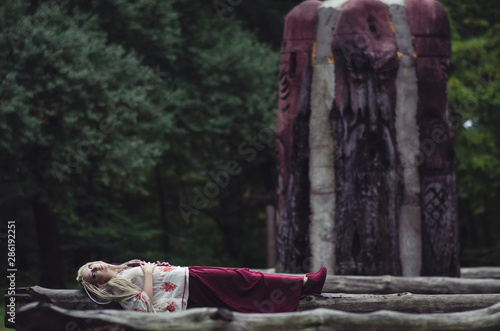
[(435, 203)]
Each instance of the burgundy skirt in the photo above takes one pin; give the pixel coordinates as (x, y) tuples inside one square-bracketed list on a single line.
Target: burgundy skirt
[(243, 290)]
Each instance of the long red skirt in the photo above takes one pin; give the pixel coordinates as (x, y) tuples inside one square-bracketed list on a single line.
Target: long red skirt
[(243, 290)]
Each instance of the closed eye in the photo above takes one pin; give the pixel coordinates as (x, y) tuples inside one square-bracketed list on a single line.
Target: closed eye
[(93, 273)]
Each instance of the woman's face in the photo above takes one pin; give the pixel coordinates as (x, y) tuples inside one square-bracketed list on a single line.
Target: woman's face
[(97, 272)]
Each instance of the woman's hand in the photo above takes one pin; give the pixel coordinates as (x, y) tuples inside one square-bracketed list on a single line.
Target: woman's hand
[(147, 267)]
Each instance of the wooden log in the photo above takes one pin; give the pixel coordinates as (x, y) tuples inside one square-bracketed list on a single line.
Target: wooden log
[(42, 316), (69, 299), (481, 272), (77, 299), (402, 302), (417, 285)]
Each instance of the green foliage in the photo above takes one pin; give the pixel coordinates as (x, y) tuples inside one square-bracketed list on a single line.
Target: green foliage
[(78, 127), (471, 18), (227, 82), (112, 112), (473, 97)]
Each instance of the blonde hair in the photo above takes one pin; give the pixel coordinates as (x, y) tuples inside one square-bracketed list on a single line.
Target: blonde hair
[(114, 289)]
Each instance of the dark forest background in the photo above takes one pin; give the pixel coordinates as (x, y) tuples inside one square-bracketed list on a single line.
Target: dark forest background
[(113, 113)]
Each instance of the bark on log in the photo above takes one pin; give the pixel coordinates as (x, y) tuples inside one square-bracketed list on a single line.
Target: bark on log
[(481, 272), (40, 316), (417, 285), (69, 299), (402, 302)]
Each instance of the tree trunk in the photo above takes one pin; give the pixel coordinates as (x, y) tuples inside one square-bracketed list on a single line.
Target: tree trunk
[(51, 266), (69, 299), (163, 211), (271, 224), (38, 316), (419, 285), (402, 302), (360, 303)]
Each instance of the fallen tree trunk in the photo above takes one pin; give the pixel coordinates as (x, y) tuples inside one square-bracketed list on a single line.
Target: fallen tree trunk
[(417, 285), (42, 316), (77, 299), (480, 272), (69, 299), (471, 272), (473, 281), (403, 302)]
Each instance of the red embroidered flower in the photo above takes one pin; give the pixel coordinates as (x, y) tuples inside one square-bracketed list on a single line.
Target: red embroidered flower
[(138, 296), (170, 307), (168, 286), (137, 309), (167, 269)]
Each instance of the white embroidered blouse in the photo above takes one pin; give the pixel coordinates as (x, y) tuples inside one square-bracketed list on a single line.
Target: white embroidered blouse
[(170, 289)]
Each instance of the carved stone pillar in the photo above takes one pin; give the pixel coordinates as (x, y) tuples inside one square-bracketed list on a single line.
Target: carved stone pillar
[(366, 159), (292, 139)]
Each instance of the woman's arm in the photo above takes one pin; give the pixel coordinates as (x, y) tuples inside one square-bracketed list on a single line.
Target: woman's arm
[(147, 268)]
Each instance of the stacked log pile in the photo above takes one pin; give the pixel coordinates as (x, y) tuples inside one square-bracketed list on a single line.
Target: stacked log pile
[(39, 316), (348, 303)]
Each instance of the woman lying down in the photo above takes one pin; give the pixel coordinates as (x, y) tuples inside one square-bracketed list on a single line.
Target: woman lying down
[(161, 287)]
